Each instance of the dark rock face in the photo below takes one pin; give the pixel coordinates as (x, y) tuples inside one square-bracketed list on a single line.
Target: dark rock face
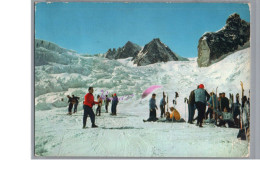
[(215, 46), (154, 52), (110, 54), (128, 50)]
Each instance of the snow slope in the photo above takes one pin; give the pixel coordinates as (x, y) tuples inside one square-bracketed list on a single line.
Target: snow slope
[(125, 135)]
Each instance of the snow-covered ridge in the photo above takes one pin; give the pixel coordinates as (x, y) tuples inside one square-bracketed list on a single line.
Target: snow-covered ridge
[(54, 80), (47, 52)]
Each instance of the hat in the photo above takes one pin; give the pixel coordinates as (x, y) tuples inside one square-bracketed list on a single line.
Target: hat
[(201, 86), (114, 94)]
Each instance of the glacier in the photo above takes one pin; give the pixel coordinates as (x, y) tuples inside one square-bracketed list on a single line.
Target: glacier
[(60, 135)]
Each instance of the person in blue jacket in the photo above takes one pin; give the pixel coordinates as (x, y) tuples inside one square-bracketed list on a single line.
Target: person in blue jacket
[(162, 106), (201, 98), (152, 107), (114, 104)]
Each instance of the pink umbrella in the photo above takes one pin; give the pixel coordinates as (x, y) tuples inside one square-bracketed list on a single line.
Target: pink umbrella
[(150, 89)]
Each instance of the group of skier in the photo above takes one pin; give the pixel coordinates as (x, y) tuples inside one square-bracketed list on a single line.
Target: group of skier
[(221, 110), (73, 101), (172, 116), (89, 102)]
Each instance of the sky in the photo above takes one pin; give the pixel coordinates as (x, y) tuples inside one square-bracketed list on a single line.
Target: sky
[(92, 28)]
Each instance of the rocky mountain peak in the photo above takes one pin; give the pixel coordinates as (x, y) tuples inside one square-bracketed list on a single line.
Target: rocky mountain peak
[(214, 46), (154, 52), (128, 50)]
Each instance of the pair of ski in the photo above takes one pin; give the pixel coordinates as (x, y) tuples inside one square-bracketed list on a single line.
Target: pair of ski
[(242, 125), (215, 113)]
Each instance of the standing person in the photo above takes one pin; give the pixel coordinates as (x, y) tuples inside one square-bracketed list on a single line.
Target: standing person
[(191, 106), (71, 102), (201, 97), (76, 103), (107, 100), (114, 104), (162, 105), (219, 100), (152, 107), (99, 105), (224, 102), (87, 105), (112, 97)]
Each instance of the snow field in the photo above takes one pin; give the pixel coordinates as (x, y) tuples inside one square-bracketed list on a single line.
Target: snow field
[(125, 135)]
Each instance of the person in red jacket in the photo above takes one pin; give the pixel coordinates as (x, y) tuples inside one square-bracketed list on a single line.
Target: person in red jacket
[(87, 105)]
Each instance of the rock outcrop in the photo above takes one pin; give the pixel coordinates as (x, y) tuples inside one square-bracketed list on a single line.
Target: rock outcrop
[(214, 46), (111, 53), (128, 50), (154, 52)]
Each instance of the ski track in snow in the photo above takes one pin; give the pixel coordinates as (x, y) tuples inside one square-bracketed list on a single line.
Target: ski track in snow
[(125, 135)]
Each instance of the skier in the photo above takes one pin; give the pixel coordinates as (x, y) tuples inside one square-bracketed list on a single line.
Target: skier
[(175, 115), (112, 96), (219, 100), (201, 97), (114, 104), (107, 100), (224, 102), (162, 105), (76, 103), (191, 106), (152, 108), (99, 105), (226, 117), (71, 101), (87, 105)]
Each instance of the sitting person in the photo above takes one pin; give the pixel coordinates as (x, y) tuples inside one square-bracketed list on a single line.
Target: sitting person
[(226, 118), (175, 115)]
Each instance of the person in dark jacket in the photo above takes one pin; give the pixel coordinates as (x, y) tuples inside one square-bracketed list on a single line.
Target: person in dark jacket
[(112, 96), (71, 101), (107, 100), (224, 102), (76, 103), (87, 106), (152, 108), (98, 111), (201, 98), (219, 101), (114, 104), (191, 106), (162, 106)]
